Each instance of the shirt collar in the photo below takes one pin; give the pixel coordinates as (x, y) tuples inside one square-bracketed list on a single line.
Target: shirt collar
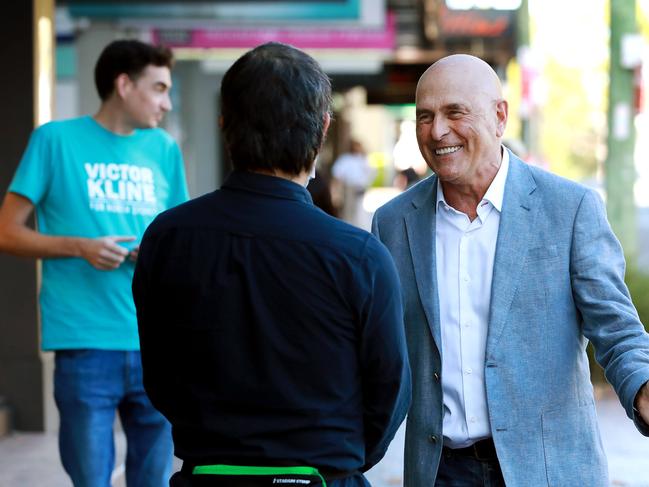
[(272, 186), (496, 191)]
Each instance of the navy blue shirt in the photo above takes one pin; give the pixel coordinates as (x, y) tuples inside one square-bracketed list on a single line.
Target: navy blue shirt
[(271, 331)]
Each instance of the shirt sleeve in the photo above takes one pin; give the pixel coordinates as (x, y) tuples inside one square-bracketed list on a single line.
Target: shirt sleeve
[(34, 173), (177, 182), (387, 385), (610, 320), (157, 367)]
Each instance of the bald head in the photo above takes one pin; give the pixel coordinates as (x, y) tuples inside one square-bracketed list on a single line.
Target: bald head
[(466, 73)]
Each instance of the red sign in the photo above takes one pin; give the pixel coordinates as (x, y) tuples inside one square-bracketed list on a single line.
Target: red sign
[(475, 23)]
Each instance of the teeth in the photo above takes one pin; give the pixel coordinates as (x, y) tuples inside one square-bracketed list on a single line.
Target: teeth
[(447, 150)]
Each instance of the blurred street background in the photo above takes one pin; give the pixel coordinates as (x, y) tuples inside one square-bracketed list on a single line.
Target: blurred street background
[(575, 74)]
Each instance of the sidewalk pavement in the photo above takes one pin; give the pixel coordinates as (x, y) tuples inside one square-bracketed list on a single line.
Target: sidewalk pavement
[(31, 459)]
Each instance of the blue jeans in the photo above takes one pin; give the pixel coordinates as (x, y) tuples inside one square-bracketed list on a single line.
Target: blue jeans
[(464, 471), (89, 386)]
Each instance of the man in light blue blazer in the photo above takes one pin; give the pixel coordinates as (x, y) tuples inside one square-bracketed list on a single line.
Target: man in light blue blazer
[(507, 271)]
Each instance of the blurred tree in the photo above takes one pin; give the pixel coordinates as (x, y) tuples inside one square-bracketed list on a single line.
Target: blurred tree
[(620, 173), (571, 128), (642, 18)]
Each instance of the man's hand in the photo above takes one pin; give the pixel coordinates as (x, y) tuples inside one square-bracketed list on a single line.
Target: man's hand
[(17, 238), (642, 402), (104, 253), (132, 255)]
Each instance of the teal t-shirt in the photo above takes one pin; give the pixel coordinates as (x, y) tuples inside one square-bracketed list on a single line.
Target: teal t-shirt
[(86, 181)]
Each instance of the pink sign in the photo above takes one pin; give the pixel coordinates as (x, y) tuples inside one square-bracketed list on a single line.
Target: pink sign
[(304, 38)]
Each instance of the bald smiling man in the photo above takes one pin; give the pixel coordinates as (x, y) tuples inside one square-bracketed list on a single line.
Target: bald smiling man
[(507, 271)]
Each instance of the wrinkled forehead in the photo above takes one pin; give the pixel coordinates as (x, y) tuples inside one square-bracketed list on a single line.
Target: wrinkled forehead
[(436, 91)]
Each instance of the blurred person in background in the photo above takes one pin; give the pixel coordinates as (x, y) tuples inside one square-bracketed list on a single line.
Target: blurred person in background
[(405, 178), (272, 334), (353, 171), (507, 272), (95, 183)]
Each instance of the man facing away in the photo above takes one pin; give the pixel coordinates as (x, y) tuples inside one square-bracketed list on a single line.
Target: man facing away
[(271, 332), (507, 271), (96, 183)]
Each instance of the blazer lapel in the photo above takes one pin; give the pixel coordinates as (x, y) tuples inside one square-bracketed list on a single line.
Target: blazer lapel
[(420, 226), (516, 220)]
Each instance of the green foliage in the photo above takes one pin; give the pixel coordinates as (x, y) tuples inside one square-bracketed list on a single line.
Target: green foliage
[(572, 125), (638, 284)]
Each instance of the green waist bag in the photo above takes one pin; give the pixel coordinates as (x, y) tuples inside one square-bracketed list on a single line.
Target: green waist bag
[(245, 476)]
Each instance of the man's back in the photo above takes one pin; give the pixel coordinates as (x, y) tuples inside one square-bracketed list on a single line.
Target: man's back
[(277, 312)]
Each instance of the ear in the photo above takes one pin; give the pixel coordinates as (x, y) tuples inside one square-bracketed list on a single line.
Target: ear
[(502, 112), (221, 122), (327, 122), (123, 85)]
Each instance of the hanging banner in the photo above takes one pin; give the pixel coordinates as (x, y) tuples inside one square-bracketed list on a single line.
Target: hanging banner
[(303, 38), (219, 9)]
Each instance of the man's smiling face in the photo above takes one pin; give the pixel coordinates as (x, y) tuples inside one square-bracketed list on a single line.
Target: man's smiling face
[(460, 120)]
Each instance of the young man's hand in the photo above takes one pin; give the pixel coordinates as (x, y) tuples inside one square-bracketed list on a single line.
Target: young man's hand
[(105, 253), (132, 255)]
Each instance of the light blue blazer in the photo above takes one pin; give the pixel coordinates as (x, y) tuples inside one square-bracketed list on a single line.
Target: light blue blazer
[(558, 281)]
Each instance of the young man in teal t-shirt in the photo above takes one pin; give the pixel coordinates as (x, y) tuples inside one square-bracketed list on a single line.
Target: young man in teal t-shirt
[(95, 184)]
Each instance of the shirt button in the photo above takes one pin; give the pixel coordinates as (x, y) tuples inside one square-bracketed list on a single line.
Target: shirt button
[(432, 439), (469, 371), (472, 419), (466, 278)]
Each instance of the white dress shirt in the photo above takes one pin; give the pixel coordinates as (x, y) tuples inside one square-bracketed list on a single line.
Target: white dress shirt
[(465, 252)]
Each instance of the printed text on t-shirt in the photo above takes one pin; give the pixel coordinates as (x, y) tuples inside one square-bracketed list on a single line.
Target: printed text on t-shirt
[(121, 188)]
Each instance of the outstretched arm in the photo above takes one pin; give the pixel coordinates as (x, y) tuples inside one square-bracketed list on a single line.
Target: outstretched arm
[(17, 238), (610, 320)]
